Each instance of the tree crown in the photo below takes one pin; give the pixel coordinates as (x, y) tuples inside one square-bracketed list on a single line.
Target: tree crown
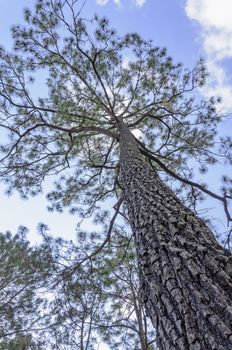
[(93, 78)]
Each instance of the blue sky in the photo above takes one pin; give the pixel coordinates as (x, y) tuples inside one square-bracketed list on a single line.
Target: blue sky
[(188, 28)]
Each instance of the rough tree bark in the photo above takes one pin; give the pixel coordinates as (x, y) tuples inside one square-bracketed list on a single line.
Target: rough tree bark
[(186, 276)]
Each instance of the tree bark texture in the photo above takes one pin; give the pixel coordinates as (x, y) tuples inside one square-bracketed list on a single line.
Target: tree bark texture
[(185, 275)]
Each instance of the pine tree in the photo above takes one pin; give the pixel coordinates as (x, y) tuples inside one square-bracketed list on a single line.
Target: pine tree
[(83, 130), (24, 274), (97, 299)]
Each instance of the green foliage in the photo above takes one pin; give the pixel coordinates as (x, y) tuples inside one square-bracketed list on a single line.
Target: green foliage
[(56, 297), (97, 297), (24, 274)]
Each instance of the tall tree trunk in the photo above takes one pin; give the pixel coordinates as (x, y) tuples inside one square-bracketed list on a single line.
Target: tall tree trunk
[(185, 275)]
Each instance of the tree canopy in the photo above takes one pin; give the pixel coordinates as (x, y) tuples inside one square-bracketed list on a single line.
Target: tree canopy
[(87, 81)]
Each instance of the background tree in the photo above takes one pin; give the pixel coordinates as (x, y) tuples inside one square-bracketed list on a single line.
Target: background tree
[(23, 305), (52, 299), (97, 299), (94, 100)]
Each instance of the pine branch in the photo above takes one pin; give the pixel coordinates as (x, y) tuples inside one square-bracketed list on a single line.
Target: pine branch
[(223, 199)]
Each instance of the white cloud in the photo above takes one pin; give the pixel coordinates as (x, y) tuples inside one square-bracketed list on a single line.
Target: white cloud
[(102, 2), (215, 21), (218, 85), (138, 3), (219, 43), (217, 72), (224, 91), (211, 13)]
